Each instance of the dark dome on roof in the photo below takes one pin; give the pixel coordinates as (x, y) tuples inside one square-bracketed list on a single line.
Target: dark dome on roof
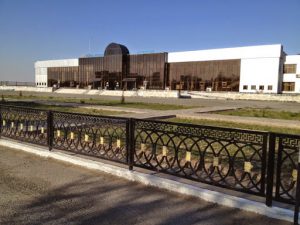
[(116, 49)]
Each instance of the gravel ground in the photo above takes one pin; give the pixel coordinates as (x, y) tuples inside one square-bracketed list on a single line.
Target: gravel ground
[(36, 191)]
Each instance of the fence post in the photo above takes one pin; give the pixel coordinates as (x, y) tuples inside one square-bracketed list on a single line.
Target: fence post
[(1, 121), (131, 145), (50, 129), (297, 204), (270, 171), (127, 140)]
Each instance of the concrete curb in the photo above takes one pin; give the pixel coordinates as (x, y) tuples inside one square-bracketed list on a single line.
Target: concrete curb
[(147, 179)]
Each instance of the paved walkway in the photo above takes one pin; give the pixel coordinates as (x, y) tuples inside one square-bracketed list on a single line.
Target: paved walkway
[(42, 191), (194, 113), (288, 106)]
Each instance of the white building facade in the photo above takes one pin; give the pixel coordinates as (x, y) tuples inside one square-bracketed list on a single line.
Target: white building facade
[(262, 69), (41, 68), (291, 74)]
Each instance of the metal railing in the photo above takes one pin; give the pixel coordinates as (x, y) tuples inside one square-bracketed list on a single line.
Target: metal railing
[(230, 158), (287, 148), (17, 83), (255, 162), (103, 137)]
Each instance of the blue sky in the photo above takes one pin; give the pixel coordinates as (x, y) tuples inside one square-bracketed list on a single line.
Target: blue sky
[(32, 30)]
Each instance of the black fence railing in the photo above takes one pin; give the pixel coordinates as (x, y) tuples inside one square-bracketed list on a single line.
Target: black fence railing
[(287, 147), (24, 124), (230, 158), (255, 162), (103, 137), (17, 83)]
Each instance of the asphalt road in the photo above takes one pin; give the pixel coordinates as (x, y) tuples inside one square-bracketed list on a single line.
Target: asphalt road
[(287, 106), (41, 191)]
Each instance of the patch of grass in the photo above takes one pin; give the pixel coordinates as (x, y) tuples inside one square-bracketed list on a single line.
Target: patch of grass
[(137, 105), (237, 125), (266, 113), (68, 109)]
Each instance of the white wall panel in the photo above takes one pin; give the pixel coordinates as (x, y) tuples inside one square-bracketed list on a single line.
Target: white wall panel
[(57, 63), (293, 77), (41, 78), (263, 51), (260, 71)]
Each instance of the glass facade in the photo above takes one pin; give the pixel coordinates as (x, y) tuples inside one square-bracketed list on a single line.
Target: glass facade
[(219, 75), (117, 69), (63, 76), (289, 68), (148, 70), (102, 72), (288, 86)]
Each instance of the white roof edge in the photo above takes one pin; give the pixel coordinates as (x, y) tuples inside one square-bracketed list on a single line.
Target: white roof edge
[(231, 48), (246, 52), (292, 56), (51, 60), (57, 63)]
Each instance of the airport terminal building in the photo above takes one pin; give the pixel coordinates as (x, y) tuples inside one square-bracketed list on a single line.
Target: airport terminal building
[(256, 69)]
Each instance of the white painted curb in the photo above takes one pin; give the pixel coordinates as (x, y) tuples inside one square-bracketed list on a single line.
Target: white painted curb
[(147, 179)]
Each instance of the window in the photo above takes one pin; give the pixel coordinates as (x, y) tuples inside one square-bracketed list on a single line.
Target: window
[(270, 87), (261, 87), (288, 86), (253, 87), (289, 68), (245, 87)]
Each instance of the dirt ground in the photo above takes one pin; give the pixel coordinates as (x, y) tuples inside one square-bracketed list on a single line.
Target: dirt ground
[(36, 191)]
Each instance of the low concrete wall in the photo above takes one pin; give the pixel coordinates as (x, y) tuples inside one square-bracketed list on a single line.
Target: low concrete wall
[(71, 91), (26, 88), (158, 93), (245, 96), (118, 93), (141, 93)]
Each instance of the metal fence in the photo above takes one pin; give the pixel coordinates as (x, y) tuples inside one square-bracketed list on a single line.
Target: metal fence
[(17, 83), (230, 158), (287, 148), (24, 124), (255, 162), (103, 137)]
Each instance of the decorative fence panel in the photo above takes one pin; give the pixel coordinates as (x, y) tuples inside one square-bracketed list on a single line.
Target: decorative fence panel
[(104, 137), (230, 158), (24, 124), (288, 147)]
